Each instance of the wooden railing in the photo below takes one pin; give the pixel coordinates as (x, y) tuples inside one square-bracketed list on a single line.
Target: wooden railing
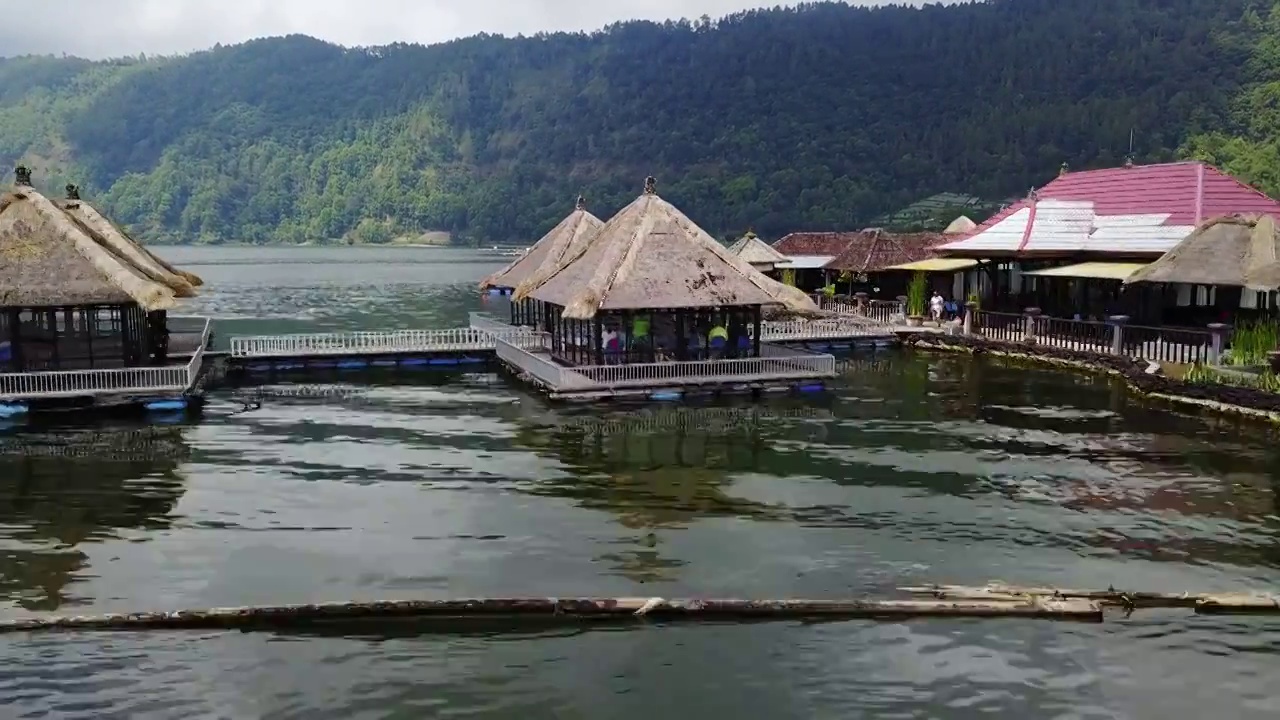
[(1116, 336), (882, 312), (1006, 327)]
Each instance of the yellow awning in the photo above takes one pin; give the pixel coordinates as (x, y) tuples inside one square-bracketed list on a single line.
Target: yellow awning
[(936, 265), (1098, 270)]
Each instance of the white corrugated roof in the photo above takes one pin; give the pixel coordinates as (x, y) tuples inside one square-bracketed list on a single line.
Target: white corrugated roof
[(1072, 225), (806, 262)]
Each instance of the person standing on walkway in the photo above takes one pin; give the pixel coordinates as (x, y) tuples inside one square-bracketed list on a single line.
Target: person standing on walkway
[(936, 305)]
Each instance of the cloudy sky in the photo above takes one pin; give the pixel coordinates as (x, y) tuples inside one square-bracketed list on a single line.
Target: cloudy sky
[(109, 28)]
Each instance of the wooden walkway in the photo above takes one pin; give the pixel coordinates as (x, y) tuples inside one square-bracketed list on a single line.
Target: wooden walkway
[(484, 332)]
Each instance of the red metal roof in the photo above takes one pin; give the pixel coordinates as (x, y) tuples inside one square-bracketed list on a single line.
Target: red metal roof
[(1188, 192)]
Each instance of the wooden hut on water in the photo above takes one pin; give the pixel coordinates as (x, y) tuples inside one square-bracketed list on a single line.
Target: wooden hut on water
[(69, 298), (567, 239), (653, 286), (757, 253)]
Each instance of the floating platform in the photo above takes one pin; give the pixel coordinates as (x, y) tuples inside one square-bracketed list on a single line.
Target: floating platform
[(172, 388), (795, 359)]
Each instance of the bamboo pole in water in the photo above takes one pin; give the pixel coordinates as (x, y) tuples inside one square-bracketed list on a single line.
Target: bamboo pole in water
[(1207, 603), (284, 616)]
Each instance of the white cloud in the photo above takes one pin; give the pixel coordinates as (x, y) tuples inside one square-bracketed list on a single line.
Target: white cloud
[(108, 28)]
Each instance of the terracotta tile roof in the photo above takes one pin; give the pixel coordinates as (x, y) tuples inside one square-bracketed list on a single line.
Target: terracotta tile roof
[(1139, 209), (815, 243), (872, 250)]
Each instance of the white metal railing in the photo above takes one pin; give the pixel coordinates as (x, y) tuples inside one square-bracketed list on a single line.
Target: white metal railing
[(884, 312), (782, 330), (361, 343), (480, 335), (797, 365), (540, 366), (113, 381), (488, 323)]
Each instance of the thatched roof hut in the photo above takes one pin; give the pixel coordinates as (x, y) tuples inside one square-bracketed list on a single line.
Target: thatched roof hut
[(1233, 250), (650, 255), (48, 259), (756, 252), (960, 225), (565, 240), (106, 233)]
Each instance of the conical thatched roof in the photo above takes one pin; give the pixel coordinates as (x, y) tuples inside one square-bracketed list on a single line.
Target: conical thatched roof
[(752, 249), (106, 233), (650, 255), (961, 224), (565, 240), (1233, 250), (47, 258)]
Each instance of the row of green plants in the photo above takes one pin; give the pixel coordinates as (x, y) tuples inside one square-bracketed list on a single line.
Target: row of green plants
[(1201, 374), (1251, 341)]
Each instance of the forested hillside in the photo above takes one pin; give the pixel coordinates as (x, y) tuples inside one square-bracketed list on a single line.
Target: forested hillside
[(817, 117)]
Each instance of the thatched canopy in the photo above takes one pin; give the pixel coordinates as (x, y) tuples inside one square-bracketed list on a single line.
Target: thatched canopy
[(47, 258), (565, 240), (960, 225), (1233, 250), (753, 250), (650, 255), (106, 233)]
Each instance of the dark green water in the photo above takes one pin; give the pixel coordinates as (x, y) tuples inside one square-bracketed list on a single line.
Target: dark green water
[(916, 469)]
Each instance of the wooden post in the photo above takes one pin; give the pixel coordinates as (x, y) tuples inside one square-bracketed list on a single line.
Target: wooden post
[(1117, 333), (598, 341), (970, 309), (1219, 331), (1029, 324), (756, 340)]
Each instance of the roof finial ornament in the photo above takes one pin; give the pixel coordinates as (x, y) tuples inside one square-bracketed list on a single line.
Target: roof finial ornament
[(651, 185), (1032, 194), (1063, 170), (581, 204), (22, 175), (1128, 161), (751, 233), (73, 192)]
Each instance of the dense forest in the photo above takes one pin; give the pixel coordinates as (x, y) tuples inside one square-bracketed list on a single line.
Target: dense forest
[(818, 117)]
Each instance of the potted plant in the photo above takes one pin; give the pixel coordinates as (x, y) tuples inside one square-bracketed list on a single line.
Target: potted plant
[(917, 297)]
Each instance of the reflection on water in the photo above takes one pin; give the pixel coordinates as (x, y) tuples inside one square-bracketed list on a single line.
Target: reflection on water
[(442, 484)]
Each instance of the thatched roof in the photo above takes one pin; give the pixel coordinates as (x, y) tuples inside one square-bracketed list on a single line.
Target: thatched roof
[(650, 255), (755, 251), (106, 233), (1233, 250), (565, 240), (960, 225), (874, 250), (48, 258)]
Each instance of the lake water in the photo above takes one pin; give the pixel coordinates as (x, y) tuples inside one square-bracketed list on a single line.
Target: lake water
[(915, 469)]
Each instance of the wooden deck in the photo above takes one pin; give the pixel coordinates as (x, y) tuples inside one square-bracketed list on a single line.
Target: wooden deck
[(484, 332), (778, 368)]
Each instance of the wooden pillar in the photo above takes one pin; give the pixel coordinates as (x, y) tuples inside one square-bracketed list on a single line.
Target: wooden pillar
[(597, 340), (755, 351), (682, 351), (15, 339)]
